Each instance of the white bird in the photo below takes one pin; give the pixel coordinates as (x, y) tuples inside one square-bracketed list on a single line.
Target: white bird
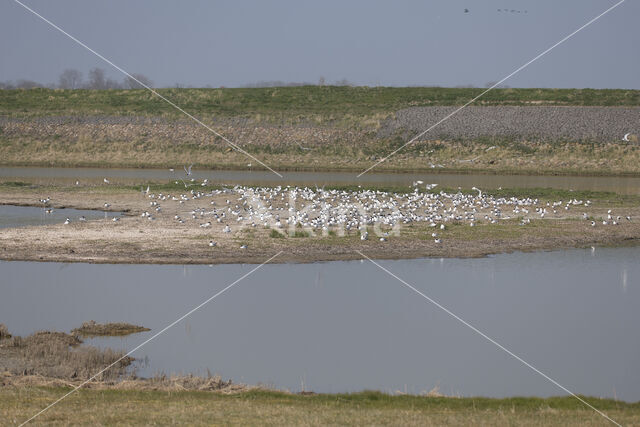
[(187, 171), (212, 243), (625, 138), (106, 181), (67, 221), (82, 218), (227, 229), (116, 219)]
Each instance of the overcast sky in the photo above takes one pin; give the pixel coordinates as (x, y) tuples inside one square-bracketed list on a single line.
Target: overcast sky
[(232, 43)]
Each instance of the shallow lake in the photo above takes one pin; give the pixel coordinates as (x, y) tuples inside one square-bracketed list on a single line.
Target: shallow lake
[(621, 185), (20, 216), (348, 326)]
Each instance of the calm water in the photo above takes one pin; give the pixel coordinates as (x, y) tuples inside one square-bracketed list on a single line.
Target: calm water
[(622, 185), (19, 216), (347, 326)]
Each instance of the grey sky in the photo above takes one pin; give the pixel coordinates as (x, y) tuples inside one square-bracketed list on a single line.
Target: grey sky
[(232, 43)]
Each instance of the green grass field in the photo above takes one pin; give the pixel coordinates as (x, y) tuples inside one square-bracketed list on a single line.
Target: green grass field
[(91, 407), (329, 102)]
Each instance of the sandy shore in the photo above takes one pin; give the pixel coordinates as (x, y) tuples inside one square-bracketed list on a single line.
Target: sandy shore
[(136, 239)]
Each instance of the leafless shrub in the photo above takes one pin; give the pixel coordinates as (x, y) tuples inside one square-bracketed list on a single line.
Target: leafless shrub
[(4, 332)]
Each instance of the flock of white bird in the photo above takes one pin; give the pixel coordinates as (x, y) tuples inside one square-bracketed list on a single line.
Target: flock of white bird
[(319, 211), (344, 212)]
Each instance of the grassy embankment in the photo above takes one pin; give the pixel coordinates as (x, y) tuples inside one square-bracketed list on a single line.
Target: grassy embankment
[(339, 125), (270, 407)]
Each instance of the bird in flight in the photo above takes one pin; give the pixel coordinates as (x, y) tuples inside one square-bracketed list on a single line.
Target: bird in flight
[(187, 171), (625, 138)]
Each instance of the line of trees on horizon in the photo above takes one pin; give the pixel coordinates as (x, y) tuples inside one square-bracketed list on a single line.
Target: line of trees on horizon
[(74, 79), (98, 80)]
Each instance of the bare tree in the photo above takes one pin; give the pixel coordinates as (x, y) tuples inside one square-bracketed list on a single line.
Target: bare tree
[(130, 83), (97, 79), (7, 85), (113, 84), (27, 84), (70, 79)]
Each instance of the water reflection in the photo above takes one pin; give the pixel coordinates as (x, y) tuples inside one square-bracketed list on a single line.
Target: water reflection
[(621, 185), (20, 216), (346, 326)]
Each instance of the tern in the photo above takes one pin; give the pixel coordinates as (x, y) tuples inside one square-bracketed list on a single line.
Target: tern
[(187, 171), (625, 138), (106, 181)]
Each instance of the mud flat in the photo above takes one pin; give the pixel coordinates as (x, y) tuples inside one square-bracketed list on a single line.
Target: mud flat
[(136, 239)]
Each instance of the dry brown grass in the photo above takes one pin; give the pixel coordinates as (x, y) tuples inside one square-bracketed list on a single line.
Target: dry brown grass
[(92, 329), (169, 143), (258, 407), (59, 355)]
